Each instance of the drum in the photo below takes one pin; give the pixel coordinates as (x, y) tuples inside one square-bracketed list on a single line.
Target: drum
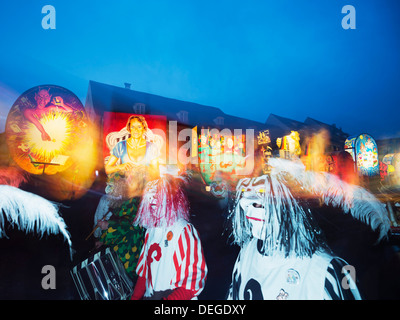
[(102, 277)]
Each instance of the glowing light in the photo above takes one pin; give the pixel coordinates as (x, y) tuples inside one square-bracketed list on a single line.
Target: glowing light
[(59, 127)]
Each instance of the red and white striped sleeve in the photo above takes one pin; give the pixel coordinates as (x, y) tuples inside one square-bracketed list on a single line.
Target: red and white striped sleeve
[(189, 262), (141, 268)]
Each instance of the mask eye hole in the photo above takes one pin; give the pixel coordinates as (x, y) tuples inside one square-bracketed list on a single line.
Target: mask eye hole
[(260, 192)]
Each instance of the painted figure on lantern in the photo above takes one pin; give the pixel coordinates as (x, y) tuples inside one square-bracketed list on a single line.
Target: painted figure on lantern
[(45, 128), (136, 153), (43, 107)]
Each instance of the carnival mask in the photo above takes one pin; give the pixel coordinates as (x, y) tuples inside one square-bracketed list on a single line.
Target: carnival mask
[(252, 203)]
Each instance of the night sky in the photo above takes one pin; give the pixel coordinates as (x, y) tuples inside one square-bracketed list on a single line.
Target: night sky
[(248, 58)]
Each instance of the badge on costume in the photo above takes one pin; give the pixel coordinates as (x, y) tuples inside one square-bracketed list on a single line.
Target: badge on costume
[(293, 277), (169, 238)]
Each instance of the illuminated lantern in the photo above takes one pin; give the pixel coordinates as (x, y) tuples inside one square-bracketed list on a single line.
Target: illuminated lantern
[(263, 142), (392, 160), (289, 146), (364, 151), (43, 127), (220, 156), (47, 134)]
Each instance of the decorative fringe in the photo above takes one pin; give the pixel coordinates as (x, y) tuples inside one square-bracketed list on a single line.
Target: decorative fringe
[(31, 213), (353, 199), (172, 202), (289, 229)]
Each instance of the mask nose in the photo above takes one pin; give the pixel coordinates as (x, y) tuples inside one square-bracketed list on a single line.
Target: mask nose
[(247, 202)]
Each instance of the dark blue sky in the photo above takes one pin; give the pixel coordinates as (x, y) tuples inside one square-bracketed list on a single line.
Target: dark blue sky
[(249, 58)]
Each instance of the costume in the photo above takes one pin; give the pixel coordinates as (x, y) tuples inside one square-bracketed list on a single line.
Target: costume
[(171, 264), (124, 238), (120, 151), (103, 213), (283, 251)]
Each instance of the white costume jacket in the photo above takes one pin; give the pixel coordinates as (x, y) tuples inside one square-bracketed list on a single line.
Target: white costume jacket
[(259, 277), (172, 257)]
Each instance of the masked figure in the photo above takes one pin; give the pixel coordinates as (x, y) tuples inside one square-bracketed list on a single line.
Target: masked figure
[(171, 264), (283, 251)]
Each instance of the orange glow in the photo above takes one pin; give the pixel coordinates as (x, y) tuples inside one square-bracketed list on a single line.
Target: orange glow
[(316, 151)]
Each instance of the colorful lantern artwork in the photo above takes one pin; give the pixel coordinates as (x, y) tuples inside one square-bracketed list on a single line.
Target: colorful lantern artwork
[(43, 129), (114, 130), (289, 146), (220, 155), (263, 142), (392, 173), (49, 136), (364, 151)]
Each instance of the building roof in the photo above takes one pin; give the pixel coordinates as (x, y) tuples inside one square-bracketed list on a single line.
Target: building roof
[(103, 97), (333, 130), (284, 123)]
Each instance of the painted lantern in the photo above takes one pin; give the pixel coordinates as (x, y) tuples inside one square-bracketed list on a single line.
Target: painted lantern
[(47, 133), (364, 151), (220, 157)]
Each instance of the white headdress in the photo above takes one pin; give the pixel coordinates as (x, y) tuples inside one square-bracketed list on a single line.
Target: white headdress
[(31, 213), (353, 199), (288, 226)]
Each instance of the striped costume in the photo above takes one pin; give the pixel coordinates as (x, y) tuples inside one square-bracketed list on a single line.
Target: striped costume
[(171, 258), (319, 277)]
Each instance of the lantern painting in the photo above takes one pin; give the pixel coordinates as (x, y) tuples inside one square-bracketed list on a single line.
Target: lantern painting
[(43, 129), (364, 151), (115, 130), (220, 154), (289, 146), (392, 162), (263, 142)]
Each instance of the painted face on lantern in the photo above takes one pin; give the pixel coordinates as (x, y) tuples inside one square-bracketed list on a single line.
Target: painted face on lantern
[(252, 203), (42, 98), (136, 128)]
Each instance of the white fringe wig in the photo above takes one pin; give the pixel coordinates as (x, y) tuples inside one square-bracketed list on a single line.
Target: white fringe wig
[(164, 202), (289, 227), (29, 212), (353, 199)]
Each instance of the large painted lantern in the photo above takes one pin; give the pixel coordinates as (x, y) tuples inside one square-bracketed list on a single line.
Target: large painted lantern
[(220, 158), (43, 127), (289, 146), (47, 134), (265, 151), (364, 151), (392, 162)]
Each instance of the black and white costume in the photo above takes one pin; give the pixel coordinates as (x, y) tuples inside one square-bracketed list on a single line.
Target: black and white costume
[(283, 251)]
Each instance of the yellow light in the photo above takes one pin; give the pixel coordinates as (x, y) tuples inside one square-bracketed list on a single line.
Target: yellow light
[(59, 128)]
